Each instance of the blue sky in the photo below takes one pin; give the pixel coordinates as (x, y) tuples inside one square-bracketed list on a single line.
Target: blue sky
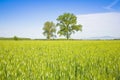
[(25, 18)]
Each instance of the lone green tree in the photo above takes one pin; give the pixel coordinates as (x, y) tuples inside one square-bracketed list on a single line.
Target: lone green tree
[(68, 24), (15, 38), (49, 29)]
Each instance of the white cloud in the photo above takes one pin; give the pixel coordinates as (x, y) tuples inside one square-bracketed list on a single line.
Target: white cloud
[(99, 24)]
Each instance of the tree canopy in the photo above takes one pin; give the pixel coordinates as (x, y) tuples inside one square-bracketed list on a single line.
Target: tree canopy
[(68, 25), (49, 29)]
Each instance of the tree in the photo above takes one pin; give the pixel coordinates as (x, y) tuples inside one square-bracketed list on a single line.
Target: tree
[(49, 29), (15, 38), (68, 24)]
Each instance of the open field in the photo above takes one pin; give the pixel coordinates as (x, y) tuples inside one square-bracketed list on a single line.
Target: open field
[(60, 60)]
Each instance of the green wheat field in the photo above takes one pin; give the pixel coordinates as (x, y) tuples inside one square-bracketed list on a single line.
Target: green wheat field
[(60, 60)]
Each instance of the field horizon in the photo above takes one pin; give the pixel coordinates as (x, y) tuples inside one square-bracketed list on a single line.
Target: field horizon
[(59, 39)]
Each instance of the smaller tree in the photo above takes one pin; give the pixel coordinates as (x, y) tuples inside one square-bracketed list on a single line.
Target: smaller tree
[(49, 29), (15, 38)]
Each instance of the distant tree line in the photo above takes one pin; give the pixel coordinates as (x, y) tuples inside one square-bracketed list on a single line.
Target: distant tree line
[(14, 38), (67, 24)]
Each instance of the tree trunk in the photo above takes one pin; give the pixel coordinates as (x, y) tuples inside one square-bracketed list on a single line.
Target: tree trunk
[(67, 36), (67, 32), (48, 37)]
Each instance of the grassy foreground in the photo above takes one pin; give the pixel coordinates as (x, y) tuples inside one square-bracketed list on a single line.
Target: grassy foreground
[(60, 60)]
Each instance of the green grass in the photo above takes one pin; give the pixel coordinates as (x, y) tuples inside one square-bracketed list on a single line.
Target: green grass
[(60, 60)]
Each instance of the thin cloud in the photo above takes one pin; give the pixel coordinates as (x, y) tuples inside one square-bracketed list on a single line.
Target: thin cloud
[(109, 7), (98, 24)]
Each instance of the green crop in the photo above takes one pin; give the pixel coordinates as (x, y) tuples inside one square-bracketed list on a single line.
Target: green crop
[(60, 60)]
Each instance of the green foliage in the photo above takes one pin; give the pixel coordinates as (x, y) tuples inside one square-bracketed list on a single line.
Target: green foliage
[(49, 29), (59, 60), (68, 24), (15, 38)]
